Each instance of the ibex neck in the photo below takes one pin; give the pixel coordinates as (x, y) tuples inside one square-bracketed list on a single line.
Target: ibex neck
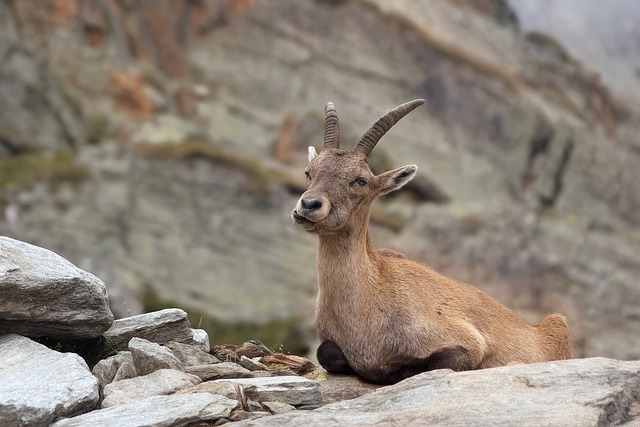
[(346, 260)]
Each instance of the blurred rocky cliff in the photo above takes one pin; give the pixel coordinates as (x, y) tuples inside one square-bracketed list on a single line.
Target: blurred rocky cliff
[(160, 145)]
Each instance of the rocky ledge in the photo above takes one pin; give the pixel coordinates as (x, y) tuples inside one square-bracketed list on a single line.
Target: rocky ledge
[(155, 370)]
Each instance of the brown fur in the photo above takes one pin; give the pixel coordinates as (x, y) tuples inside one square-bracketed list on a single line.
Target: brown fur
[(387, 317)]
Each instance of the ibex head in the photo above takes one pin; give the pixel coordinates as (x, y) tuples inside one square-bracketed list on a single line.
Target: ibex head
[(340, 183)]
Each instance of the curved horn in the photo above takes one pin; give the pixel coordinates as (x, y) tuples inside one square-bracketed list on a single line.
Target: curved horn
[(379, 128), (331, 127)]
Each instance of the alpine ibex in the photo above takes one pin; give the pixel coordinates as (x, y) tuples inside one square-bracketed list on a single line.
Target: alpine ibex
[(381, 315)]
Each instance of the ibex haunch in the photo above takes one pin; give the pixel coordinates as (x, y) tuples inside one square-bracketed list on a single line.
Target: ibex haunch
[(381, 315)]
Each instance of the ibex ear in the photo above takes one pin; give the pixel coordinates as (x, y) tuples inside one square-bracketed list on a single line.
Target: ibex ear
[(312, 153), (395, 179)]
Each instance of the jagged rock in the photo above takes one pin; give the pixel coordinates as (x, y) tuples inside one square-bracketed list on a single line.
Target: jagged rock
[(148, 357), (43, 294), (190, 355), (158, 411), (160, 382), (38, 385), (219, 371), (114, 368), (159, 326), (579, 392), (296, 391)]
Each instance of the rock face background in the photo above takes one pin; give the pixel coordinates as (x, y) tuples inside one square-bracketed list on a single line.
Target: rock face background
[(160, 145)]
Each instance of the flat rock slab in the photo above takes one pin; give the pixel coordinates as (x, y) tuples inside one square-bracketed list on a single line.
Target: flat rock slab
[(580, 392), (158, 411), (44, 295), (161, 382), (38, 385), (159, 326), (293, 390)]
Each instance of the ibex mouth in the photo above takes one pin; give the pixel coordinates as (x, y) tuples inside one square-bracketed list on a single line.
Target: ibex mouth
[(301, 220)]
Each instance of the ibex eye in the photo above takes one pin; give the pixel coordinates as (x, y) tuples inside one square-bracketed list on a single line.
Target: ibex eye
[(362, 181), (308, 175)]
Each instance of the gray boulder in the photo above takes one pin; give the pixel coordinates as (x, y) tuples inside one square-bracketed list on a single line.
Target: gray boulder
[(38, 385), (148, 357), (161, 382), (159, 326), (579, 392), (158, 411), (43, 294)]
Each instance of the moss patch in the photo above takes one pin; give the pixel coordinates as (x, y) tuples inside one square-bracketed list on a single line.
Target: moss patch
[(22, 171), (260, 176)]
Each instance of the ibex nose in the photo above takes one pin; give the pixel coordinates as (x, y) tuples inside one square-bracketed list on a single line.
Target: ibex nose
[(311, 204)]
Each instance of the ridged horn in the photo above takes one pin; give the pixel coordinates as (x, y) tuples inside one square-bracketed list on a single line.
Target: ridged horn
[(371, 137), (331, 127)]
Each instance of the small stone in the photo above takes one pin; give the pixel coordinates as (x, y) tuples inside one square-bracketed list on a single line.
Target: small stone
[(297, 364), (278, 407), (226, 355), (107, 369), (190, 355), (253, 348), (219, 371), (242, 415), (252, 364), (200, 339), (125, 371), (148, 357)]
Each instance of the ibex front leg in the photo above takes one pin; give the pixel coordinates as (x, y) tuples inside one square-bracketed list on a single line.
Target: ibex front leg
[(332, 359)]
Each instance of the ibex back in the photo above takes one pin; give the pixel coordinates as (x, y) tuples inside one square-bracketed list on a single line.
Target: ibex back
[(381, 315)]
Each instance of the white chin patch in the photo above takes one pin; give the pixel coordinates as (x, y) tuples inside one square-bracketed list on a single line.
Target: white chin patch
[(312, 153)]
